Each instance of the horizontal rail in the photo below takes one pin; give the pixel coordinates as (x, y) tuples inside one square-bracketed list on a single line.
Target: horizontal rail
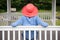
[(36, 29), (5, 28)]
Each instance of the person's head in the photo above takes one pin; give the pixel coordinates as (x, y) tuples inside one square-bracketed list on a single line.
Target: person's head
[(30, 10)]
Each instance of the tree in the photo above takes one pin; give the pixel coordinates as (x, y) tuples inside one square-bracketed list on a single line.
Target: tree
[(3, 5)]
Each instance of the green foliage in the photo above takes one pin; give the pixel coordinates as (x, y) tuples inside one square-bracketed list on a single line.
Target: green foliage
[(18, 4), (58, 22), (58, 8), (3, 5), (2, 10), (58, 1), (41, 4), (58, 15)]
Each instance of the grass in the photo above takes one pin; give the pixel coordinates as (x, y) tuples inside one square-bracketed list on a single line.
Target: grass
[(58, 14), (44, 11), (58, 22)]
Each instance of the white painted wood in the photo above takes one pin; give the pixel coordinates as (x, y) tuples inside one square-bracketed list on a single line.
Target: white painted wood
[(29, 34), (8, 35), (24, 35), (45, 34), (54, 12), (34, 34), (40, 35), (30, 28), (8, 6), (19, 35), (13, 34), (3, 35), (50, 35), (56, 35), (35, 28)]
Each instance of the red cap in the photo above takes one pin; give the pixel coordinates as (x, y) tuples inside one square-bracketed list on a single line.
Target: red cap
[(29, 10)]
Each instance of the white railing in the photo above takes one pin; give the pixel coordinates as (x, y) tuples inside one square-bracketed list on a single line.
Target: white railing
[(45, 16), (29, 28)]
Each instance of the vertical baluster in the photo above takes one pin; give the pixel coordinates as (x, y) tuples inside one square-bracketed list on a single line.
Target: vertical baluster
[(56, 35), (2, 35), (8, 35), (34, 34), (14, 35), (19, 35), (29, 35), (40, 35), (45, 34), (43, 16), (24, 35), (50, 34), (48, 16)]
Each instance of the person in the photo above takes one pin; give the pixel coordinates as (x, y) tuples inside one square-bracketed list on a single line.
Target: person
[(30, 18)]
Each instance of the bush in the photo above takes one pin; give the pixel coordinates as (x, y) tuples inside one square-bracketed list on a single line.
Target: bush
[(18, 4), (2, 11)]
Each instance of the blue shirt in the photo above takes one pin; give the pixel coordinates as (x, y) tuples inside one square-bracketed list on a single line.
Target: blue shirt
[(26, 21)]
